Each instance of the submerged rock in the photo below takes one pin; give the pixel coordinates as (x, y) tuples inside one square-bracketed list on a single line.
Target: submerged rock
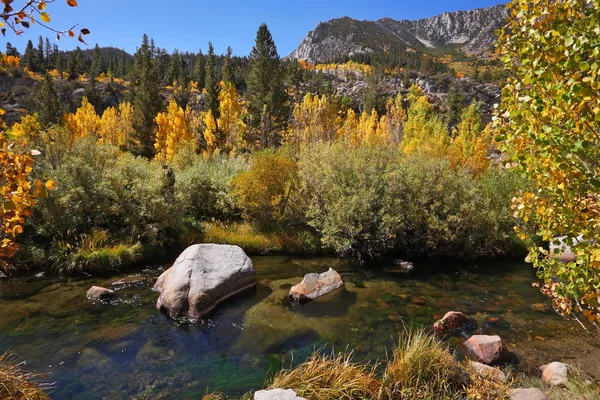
[(485, 348), (555, 373), (527, 394), (100, 293), (405, 266), (486, 370), (277, 394), (201, 277), (452, 320), (316, 285)]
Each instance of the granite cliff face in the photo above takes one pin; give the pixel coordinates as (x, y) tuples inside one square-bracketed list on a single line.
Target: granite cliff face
[(470, 31)]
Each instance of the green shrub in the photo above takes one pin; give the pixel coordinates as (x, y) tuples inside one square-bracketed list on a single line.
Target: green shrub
[(203, 188), (100, 188), (347, 198)]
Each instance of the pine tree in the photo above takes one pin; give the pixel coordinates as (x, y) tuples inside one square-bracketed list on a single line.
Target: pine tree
[(47, 103), (97, 62), (200, 71), (40, 53), (174, 69), (123, 64), (228, 71), (60, 64), (211, 99), (268, 102), (30, 58), (75, 64), (147, 101), (49, 54), (11, 50)]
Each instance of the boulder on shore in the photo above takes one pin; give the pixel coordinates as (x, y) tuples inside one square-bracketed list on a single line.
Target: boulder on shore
[(316, 285), (452, 320), (527, 394), (202, 276), (487, 371), (99, 293), (405, 266), (555, 373), (485, 348), (277, 394)]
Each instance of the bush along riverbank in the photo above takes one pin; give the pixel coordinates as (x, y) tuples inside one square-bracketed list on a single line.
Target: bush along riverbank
[(111, 209)]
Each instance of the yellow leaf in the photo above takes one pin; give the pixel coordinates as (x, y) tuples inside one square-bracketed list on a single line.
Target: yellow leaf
[(42, 5), (45, 17), (50, 184)]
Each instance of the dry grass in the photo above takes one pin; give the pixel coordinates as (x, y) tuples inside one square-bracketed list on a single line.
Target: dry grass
[(329, 377), (485, 387), (421, 367), (18, 384), (252, 241), (578, 388)]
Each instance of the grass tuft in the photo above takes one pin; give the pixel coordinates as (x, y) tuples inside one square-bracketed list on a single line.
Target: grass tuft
[(328, 377), (18, 384)]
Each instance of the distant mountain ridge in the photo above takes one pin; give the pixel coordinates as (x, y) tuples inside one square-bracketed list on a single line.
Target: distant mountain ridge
[(470, 31)]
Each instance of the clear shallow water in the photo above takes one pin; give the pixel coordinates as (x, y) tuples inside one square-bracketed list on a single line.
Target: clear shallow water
[(127, 349)]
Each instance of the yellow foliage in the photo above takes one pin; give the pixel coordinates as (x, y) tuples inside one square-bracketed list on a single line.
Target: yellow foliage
[(350, 66), (83, 123), (17, 195), (28, 128), (315, 119), (116, 125), (424, 131), (471, 142), (349, 129), (174, 129), (7, 62), (227, 132)]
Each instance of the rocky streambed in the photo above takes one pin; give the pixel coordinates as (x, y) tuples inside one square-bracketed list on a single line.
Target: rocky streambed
[(124, 347)]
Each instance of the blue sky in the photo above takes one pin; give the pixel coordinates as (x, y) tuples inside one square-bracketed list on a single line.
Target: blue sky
[(189, 25)]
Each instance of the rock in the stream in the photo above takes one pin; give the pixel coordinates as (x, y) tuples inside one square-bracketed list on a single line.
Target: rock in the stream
[(316, 285), (563, 250), (452, 320), (99, 293), (486, 370), (202, 276), (485, 348), (406, 266), (527, 394), (555, 373), (277, 394)]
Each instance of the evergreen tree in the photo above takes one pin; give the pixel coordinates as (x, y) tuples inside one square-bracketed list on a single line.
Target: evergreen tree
[(60, 64), (112, 63), (123, 64), (75, 64), (11, 50), (30, 58), (455, 103), (49, 55), (211, 99), (97, 63), (374, 98), (174, 69), (228, 70), (147, 101), (47, 103), (200, 71), (268, 103), (40, 53)]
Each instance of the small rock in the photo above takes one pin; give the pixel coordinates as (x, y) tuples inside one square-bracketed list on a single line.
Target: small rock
[(540, 307), (485, 348), (316, 285), (406, 266), (99, 293), (486, 370), (452, 320), (527, 394), (277, 394), (555, 373)]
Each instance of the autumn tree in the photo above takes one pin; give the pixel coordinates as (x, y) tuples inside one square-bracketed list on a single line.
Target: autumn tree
[(550, 124), (147, 99), (229, 137), (116, 125), (83, 123), (424, 130), (315, 119), (268, 102), (470, 142), (174, 129)]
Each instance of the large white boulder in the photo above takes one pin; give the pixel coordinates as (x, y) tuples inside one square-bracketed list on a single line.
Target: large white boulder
[(201, 277)]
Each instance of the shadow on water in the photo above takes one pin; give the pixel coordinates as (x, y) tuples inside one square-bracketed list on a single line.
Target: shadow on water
[(128, 349)]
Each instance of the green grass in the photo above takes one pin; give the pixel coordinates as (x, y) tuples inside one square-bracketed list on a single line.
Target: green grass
[(93, 253)]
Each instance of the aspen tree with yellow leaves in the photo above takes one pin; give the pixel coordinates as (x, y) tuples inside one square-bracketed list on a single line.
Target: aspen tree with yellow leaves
[(315, 119), (175, 128), (116, 125), (83, 123)]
